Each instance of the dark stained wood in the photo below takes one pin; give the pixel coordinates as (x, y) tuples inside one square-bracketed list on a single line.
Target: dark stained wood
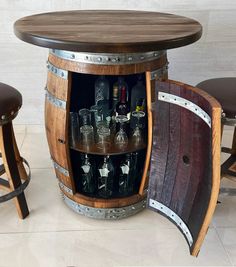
[(115, 31), (184, 170), (174, 144), (161, 117)]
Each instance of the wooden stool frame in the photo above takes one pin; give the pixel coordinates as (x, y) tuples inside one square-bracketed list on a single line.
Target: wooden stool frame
[(14, 169)]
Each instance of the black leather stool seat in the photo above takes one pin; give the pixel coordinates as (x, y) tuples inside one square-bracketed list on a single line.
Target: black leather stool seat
[(10, 102), (224, 90)]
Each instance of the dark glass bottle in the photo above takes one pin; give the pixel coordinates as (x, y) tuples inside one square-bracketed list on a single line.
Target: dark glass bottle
[(115, 95), (126, 178), (138, 96), (119, 84), (122, 107), (87, 176), (138, 102), (106, 175), (101, 89)]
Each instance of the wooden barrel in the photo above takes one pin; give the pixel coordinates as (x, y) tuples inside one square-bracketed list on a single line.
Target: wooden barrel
[(61, 91)]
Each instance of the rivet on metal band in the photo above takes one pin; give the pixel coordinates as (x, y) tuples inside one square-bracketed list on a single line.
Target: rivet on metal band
[(173, 217), (60, 168), (58, 72), (174, 99), (105, 213), (107, 58), (65, 188), (54, 100), (159, 73)]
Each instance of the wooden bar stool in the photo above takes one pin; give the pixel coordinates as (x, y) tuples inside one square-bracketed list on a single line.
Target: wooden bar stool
[(224, 90), (10, 103)]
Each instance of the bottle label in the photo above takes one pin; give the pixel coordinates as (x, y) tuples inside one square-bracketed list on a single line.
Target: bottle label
[(125, 169), (115, 92), (104, 172), (128, 116), (86, 168)]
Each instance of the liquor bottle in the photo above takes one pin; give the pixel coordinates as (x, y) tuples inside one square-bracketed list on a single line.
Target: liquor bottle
[(87, 176), (138, 96), (126, 177), (115, 100), (106, 174), (138, 101), (122, 107), (136, 170), (101, 90), (115, 95), (119, 84)]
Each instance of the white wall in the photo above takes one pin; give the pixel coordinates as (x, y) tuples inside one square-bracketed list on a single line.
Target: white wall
[(23, 65)]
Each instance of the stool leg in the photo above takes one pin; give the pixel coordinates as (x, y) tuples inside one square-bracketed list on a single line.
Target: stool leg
[(234, 142), (10, 164), (20, 165)]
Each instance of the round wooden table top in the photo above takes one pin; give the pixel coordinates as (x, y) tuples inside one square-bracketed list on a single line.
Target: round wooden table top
[(108, 31)]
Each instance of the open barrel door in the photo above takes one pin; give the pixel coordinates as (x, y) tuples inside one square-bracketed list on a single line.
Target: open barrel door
[(185, 159)]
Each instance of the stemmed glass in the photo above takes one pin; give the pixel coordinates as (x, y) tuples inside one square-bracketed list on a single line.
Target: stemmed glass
[(137, 136), (121, 138)]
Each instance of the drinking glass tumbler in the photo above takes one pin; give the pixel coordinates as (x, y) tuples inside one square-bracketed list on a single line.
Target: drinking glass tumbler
[(86, 135), (84, 117), (96, 115), (104, 138)]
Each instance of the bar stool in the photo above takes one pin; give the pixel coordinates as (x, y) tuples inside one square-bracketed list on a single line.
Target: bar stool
[(13, 163), (224, 90)]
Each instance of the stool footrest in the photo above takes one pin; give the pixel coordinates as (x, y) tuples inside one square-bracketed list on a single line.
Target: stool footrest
[(227, 150), (4, 183), (2, 169), (19, 189), (229, 166)]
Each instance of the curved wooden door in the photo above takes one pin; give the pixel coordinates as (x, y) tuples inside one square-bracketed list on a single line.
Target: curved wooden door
[(185, 160)]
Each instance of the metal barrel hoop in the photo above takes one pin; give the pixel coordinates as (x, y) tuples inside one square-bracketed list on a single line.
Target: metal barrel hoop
[(19, 189)]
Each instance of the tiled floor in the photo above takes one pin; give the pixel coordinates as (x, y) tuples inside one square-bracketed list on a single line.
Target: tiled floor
[(53, 235)]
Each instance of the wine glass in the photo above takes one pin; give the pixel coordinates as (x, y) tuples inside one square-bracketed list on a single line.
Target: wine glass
[(121, 138), (137, 136)]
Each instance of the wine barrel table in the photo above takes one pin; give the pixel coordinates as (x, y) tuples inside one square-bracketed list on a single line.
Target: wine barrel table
[(180, 167)]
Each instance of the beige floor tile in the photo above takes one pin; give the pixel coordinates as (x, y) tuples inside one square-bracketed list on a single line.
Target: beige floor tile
[(147, 247), (50, 213), (35, 149), (228, 238), (225, 213)]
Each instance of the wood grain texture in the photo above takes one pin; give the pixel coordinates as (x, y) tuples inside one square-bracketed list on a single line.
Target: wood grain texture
[(56, 124), (107, 69), (149, 136), (11, 167), (184, 170), (150, 98), (57, 86), (115, 31)]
